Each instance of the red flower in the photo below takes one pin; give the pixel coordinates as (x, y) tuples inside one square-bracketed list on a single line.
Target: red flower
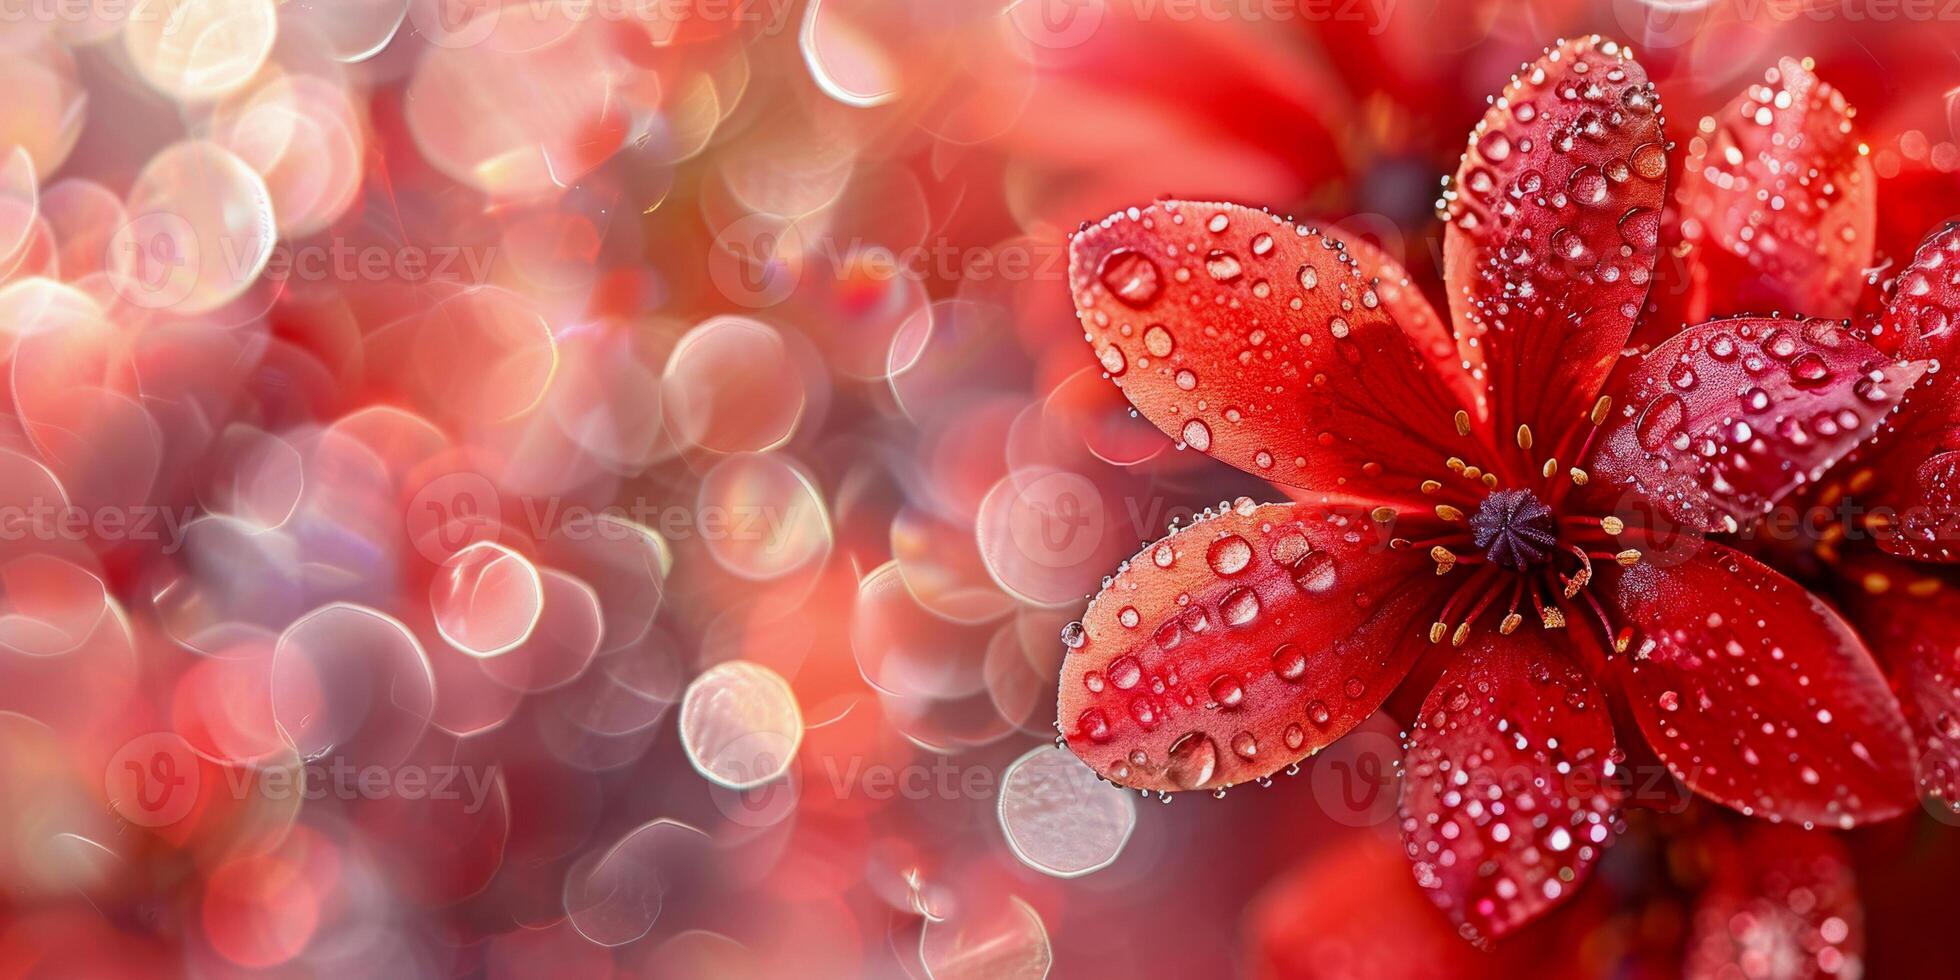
[(1477, 512), (1900, 494)]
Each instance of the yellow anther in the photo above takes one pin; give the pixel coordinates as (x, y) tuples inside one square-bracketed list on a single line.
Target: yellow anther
[(1445, 559), (1553, 616), (1431, 486), (1510, 624), (1612, 525), (1600, 408), (1551, 467), (1462, 633), (1490, 481), (1456, 464), (1579, 477), (1436, 632), (1628, 558), (1524, 437), (1462, 422), (1382, 514), (1448, 513)]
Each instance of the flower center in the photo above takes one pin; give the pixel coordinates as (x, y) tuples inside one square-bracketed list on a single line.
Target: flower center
[(1515, 529), (1509, 528)]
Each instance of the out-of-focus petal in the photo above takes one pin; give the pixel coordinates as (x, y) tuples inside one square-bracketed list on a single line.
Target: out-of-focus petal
[(1783, 903), (1758, 696), (1717, 424), (1263, 343), (1777, 190), (1911, 616), (1554, 219), (1509, 800), (1238, 646)]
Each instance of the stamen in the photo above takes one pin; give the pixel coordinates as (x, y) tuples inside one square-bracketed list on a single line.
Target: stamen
[(1462, 422), (1448, 513), (1628, 558), (1579, 477), (1510, 624), (1524, 437), (1431, 486), (1456, 464), (1490, 481), (1472, 473), (1577, 581), (1612, 525), (1552, 616), (1445, 559), (1551, 467), (1382, 515), (1437, 630), (1600, 409)]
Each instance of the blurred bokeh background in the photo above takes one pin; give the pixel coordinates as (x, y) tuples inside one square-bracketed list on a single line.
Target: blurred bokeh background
[(534, 487)]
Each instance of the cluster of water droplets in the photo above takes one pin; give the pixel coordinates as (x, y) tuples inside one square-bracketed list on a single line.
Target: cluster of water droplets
[(1188, 668), (1548, 189), (1505, 817), (1294, 295), (1734, 414), (1778, 167)]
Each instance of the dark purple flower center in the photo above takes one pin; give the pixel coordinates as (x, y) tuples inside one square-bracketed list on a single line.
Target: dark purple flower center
[(1515, 529)]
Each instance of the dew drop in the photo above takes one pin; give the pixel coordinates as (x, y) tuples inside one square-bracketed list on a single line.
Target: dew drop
[(1130, 277), (1229, 555)]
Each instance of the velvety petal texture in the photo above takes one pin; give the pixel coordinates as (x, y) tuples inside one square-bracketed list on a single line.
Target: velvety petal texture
[(1508, 799), (1717, 424), (1554, 222), (1239, 645), (1758, 696), (1264, 343), (1777, 194)]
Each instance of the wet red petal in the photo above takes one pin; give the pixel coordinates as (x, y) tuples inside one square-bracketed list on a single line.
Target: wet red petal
[(1911, 616), (1913, 466), (1717, 424), (1758, 696), (1238, 646), (1783, 903), (1432, 337), (1191, 308), (1508, 800), (1777, 191), (1554, 221)]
